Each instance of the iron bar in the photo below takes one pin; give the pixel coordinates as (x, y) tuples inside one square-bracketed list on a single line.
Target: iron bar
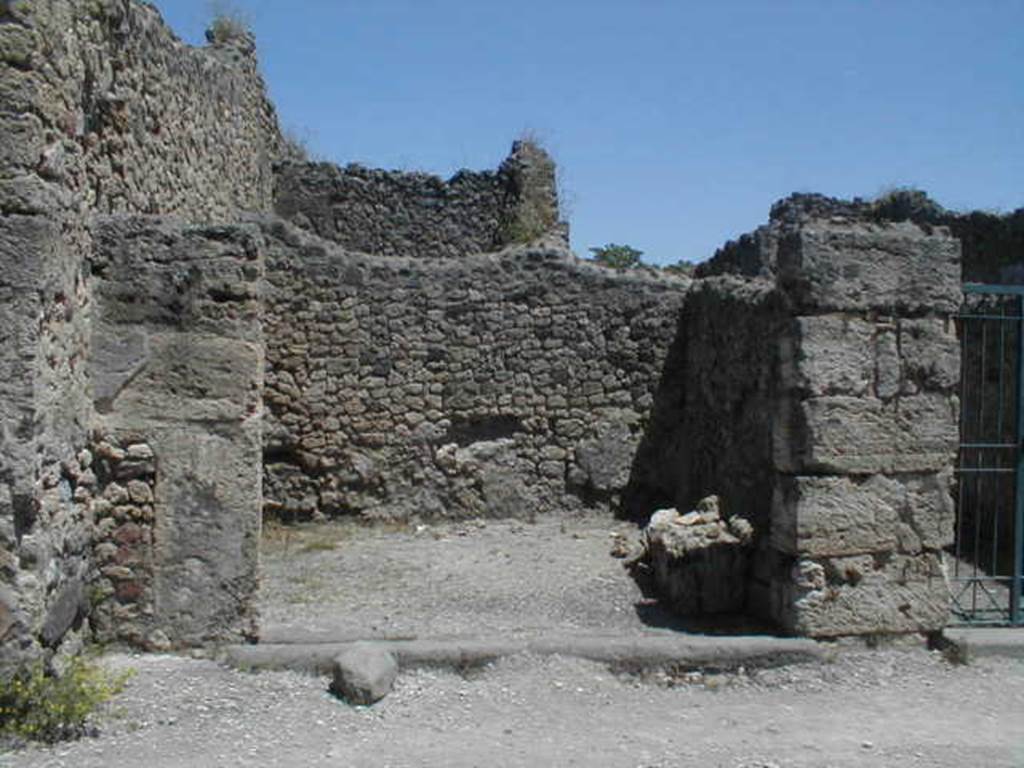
[(1018, 521)]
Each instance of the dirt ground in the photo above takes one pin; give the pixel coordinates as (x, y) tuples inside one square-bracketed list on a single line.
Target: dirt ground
[(898, 705)]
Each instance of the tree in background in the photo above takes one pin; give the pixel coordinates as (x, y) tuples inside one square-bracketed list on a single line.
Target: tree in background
[(682, 268), (617, 256)]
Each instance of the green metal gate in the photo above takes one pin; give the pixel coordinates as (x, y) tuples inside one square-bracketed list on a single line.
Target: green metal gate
[(988, 554)]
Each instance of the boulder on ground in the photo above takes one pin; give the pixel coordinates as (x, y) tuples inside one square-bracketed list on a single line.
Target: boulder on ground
[(364, 673)]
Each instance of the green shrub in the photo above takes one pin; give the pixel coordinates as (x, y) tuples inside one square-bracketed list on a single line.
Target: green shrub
[(617, 256), (38, 706)]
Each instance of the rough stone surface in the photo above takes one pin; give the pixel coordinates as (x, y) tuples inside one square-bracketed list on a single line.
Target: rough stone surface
[(851, 435), (837, 515), (430, 348), (364, 673), (102, 110), (415, 215), (177, 366), (817, 393), (896, 268), (866, 594), (698, 560), (490, 384)]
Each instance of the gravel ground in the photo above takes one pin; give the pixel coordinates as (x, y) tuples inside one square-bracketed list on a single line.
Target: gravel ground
[(478, 578), (899, 705), (888, 707)]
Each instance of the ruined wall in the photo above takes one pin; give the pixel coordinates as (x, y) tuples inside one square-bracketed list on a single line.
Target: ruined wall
[(176, 362), (483, 385), (836, 436), (993, 246), (416, 215), (101, 110), (711, 424)]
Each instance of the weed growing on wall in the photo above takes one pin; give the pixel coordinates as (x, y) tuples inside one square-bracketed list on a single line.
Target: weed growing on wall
[(536, 209), (37, 706), (229, 22)]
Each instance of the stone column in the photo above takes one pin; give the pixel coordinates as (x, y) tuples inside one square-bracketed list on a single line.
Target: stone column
[(865, 428)]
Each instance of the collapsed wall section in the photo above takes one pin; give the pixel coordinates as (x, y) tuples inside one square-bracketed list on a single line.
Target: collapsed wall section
[(416, 215), (492, 384), (102, 109)]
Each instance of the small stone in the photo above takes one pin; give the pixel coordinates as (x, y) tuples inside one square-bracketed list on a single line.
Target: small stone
[(118, 572), (364, 673), (108, 451), (140, 492), (139, 452), (115, 493), (158, 641)]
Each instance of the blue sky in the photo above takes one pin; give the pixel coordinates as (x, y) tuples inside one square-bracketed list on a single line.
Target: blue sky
[(675, 124)]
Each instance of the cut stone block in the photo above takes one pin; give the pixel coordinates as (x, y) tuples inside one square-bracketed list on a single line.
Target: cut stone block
[(26, 247), (177, 377), (895, 268), (207, 532), (865, 435), (930, 352), (828, 516), (866, 595), (22, 141), (828, 355)]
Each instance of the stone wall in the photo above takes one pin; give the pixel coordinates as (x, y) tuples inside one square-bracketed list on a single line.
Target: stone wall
[(101, 110), (711, 425), (176, 364), (430, 348), (483, 385), (415, 215), (824, 391)]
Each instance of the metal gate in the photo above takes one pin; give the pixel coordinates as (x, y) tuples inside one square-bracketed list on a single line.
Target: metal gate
[(988, 554)]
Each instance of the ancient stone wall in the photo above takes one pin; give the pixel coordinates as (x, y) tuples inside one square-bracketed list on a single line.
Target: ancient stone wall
[(711, 424), (839, 442), (102, 109), (176, 364), (415, 215), (483, 385)]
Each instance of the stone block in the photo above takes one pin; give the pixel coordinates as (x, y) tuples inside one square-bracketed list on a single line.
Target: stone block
[(828, 355), (930, 352), (699, 562), (31, 195), (820, 516), (865, 595), (63, 611), (864, 435), (26, 247), (364, 673), (17, 44), (895, 268), (157, 272), (206, 539), (21, 141), (20, 91), (605, 457), (185, 378)]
